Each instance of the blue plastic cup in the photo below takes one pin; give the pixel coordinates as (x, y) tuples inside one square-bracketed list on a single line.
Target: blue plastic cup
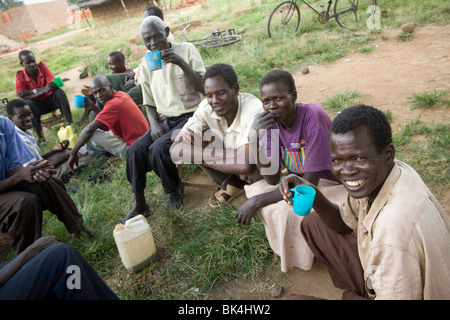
[(153, 59), (302, 199), (78, 101)]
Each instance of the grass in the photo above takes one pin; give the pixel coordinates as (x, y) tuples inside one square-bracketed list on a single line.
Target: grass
[(431, 99), (342, 100), (200, 248)]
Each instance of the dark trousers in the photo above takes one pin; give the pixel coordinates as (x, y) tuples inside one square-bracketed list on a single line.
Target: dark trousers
[(21, 211), (46, 277), (58, 100), (338, 252), (146, 155)]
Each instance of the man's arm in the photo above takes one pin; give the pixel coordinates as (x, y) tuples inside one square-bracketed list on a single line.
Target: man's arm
[(84, 137), (262, 123), (191, 149), (327, 210), (248, 209), (156, 128), (38, 171), (27, 94)]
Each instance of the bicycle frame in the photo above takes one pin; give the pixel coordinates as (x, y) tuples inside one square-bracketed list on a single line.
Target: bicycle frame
[(326, 14)]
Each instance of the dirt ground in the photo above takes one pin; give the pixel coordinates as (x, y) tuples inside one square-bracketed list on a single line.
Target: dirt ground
[(388, 76)]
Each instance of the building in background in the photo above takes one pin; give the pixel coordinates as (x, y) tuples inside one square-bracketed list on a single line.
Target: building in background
[(28, 21), (109, 10)]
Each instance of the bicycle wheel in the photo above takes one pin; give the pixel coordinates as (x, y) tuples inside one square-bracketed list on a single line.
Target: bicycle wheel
[(221, 41), (285, 18), (346, 12)]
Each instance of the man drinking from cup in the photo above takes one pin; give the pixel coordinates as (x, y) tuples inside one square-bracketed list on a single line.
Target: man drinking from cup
[(171, 95), (390, 238)]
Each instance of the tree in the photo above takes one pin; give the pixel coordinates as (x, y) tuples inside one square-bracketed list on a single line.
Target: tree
[(8, 4)]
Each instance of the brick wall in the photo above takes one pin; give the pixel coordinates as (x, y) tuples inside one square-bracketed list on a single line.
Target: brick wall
[(24, 22)]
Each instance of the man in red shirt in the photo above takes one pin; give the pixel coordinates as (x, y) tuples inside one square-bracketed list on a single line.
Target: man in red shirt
[(34, 83), (120, 115)]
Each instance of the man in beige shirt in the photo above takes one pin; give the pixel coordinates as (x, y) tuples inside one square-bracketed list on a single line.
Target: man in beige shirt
[(391, 239)]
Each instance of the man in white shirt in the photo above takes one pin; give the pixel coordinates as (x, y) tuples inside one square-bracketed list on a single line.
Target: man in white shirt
[(221, 124)]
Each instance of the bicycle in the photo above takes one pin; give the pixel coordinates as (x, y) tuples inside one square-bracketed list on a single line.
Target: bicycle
[(218, 38), (286, 15)]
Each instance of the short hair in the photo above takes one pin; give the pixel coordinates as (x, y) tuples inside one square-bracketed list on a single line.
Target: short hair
[(119, 55), (224, 70), (279, 75), (15, 103), (154, 11), (152, 20), (362, 115), (25, 53)]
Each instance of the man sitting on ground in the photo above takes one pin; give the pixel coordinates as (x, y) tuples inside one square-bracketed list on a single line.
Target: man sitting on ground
[(390, 238), (115, 128), (27, 188), (225, 117), (20, 114), (171, 95), (34, 83)]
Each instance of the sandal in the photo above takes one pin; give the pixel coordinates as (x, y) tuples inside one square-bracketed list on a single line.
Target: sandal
[(224, 196)]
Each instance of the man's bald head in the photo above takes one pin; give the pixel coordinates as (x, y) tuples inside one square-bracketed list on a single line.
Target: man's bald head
[(102, 89)]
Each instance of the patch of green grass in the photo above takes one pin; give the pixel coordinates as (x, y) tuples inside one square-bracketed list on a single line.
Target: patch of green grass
[(405, 36), (431, 99), (342, 100)]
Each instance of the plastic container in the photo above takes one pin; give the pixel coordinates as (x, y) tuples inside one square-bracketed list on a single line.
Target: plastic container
[(67, 134), (135, 243)]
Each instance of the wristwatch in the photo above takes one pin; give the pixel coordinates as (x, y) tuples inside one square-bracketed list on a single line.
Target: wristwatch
[(34, 91)]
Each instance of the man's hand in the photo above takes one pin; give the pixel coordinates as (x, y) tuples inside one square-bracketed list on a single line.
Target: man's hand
[(157, 131), (88, 104), (38, 171), (169, 56), (87, 91), (61, 146), (73, 159), (129, 81), (263, 121), (51, 86), (291, 181), (245, 212)]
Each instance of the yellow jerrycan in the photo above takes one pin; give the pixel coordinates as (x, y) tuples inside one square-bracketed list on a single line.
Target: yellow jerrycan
[(135, 243), (67, 134)]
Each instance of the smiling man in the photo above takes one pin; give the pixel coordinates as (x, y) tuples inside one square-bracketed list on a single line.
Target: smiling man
[(216, 137), (115, 128), (390, 238), (170, 95)]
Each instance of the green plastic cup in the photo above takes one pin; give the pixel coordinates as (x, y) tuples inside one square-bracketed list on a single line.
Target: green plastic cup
[(58, 81)]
